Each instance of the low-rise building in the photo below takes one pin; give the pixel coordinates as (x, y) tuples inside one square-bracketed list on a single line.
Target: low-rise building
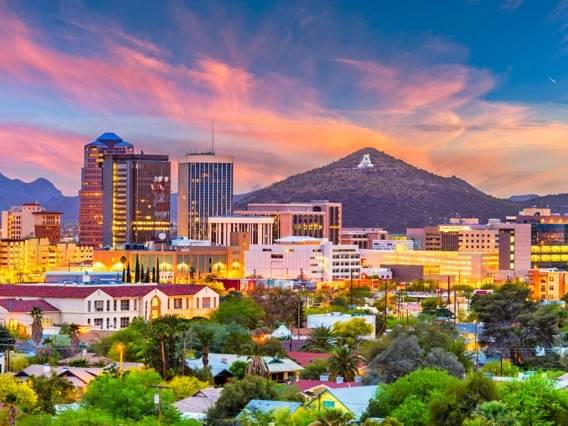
[(304, 258), (31, 220), (547, 284), (364, 238), (106, 307), (258, 228), (354, 401)]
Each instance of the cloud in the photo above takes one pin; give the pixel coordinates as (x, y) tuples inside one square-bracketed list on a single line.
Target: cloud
[(511, 5)]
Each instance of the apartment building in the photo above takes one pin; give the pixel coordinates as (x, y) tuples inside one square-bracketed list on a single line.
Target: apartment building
[(31, 220)]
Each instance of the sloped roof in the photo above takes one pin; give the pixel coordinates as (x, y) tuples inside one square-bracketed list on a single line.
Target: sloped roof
[(13, 305), (109, 137), (222, 362), (199, 402), (304, 358), (268, 406), (356, 400), (306, 385), (86, 375), (124, 143), (81, 292)]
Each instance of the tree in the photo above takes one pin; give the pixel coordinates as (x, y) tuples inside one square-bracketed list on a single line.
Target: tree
[(238, 368), (513, 325), (154, 276), (257, 366), (20, 393), (314, 370), (130, 396), (137, 270), (51, 391), (237, 339), (400, 358), (184, 387), (74, 335), (444, 360), (236, 395), (343, 363), (157, 276), (217, 287), (320, 339), (243, 311), (332, 417), (205, 337), (461, 399), (494, 367), (352, 330), (163, 353), (47, 347), (37, 326), (498, 413), (128, 273), (273, 347)]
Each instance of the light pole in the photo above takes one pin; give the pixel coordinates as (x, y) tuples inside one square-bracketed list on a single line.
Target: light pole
[(476, 348), (120, 348)]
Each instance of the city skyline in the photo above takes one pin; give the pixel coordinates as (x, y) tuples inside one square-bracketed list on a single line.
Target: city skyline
[(465, 88)]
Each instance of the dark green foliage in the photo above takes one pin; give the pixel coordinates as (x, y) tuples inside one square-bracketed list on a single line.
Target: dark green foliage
[(161, 352), (236, 340), (400, 358), (443, 360), (243, 311), (550, 361), (51, 391), (273, 347), (320, 339), (461, 399), (314, 370), (280, 306), (78, 362), (238, 369), (128, 273), (131, 337), (137, 270), (7, 342)]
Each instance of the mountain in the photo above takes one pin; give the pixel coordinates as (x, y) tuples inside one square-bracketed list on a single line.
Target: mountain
[(522, 198), (14, 192), (558, 203), (393, 194), (69, 206)]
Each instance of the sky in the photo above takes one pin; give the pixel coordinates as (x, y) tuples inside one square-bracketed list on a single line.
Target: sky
[(472, 88)]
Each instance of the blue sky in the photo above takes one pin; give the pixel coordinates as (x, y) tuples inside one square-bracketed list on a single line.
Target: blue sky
[(475, 89)]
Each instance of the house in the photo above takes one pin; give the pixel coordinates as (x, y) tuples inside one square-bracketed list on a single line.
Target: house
[(197, 404), (304, 358), (267, 407), (312, 388), (354, 401), (105, 307), (91, 358), (280, 369)]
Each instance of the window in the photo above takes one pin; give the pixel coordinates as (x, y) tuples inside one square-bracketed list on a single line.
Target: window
[(214, 302), (197, 303), (551, 287), (99, 322), (47, 322), (187, 303), (124, 306), (328, 404), (114, 322), (124, 321), (206, 302), (88, 321), (108, 305), (108, 322), (89, 306), (135, 304), (115, 305), (99, 305), (178, 303), (542, 288)]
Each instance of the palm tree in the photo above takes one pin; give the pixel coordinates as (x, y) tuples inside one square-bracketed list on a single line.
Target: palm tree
[(205, 337), (343, 363), (498, 413), (320, 339), (257, 366), (48, 346), (332, 417), (191, 274), (74, 335), (161, 328), (37, 326), (184, 326)]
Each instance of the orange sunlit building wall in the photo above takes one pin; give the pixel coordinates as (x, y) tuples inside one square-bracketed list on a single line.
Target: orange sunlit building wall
[(547, 284)]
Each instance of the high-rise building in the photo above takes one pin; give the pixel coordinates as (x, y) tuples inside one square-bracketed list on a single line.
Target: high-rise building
[(205, 189), (317, 219), (136, 198), (31, 220), (91, 193)]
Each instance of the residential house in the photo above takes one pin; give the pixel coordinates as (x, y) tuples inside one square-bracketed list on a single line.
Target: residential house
[(280, 369), (268, 407), (311, 388), (350, 400), (197, 404)]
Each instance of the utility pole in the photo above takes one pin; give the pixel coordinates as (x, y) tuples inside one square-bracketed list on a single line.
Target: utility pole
[(351, 271), (455, 307), (158, 401), (476, 349), (386, 303), (449, 298)]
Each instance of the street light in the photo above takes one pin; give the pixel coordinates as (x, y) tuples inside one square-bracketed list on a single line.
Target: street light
[(120, 348), (476, 348)]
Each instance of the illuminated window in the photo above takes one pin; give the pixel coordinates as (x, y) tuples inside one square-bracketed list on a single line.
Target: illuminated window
[(206, 302)]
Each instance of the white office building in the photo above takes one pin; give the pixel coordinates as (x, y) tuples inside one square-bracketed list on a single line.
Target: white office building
[(258, 227), (303, 257)]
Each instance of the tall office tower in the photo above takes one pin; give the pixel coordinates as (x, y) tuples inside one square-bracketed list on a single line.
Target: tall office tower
[(136, 198), (205, 189), (91, 193)]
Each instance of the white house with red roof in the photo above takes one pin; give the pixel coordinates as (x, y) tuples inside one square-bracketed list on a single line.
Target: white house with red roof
[(103, 307)]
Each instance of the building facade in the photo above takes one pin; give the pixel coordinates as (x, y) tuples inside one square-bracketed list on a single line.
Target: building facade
[(31, 220), (547, 284), (105, 307), (303, 258), (363, 237), (317, 219), (91, 193), (259, 229), (136, 198), (205, 189)]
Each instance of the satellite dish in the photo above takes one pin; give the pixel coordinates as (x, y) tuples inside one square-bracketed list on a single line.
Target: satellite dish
[(162, 236)]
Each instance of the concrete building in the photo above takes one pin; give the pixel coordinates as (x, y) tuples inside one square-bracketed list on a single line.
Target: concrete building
[(91, 193), (106, 307), (392, 245), (136, 198), (363, 237), (547, 284), (205, 189), (259, 229), (317, 219), (304, 257), (31, 220)]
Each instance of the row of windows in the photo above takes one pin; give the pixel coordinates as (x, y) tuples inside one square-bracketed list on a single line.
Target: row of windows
[(99, 305), (99, 322)]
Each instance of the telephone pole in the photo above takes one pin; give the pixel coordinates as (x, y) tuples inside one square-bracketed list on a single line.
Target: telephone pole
[(158, 401)]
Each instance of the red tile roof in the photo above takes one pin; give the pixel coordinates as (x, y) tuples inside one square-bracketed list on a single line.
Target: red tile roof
[(81, 292), (304, 358), (306, 385), (12, 305)]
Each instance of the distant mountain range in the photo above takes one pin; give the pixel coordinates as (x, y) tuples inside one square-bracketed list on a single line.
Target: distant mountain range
[(393, 194)]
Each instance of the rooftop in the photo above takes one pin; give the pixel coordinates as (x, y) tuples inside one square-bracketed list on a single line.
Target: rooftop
[(199, 402), (13, 305), (268, 406)]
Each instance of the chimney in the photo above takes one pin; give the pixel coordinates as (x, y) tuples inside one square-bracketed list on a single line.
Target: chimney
[(358, 379), (224, 360), (46, 368), (324, 378), (65, 369), (84, 352), (339, 380)]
